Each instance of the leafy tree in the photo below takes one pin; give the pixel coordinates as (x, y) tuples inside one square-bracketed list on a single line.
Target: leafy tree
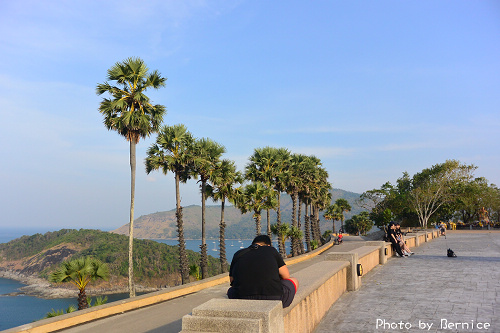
[(80, 272), (359, 224), (173, 152), (130, 112), (206, 155), (433, 187)]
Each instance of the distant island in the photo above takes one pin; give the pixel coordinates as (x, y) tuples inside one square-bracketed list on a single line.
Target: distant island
[(162, 225)]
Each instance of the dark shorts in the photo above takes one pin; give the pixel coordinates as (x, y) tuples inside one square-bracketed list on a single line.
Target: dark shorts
[(289, 291)]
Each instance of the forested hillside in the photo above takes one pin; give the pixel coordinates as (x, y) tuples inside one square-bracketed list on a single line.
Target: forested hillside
[(162, 225), (154, 263)]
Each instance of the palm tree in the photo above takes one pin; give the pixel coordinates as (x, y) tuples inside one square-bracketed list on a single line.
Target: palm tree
[(80, 272), (255, 197), (344, 207), (334, 213), (281, 231), (172, 152), (223, 179), (294, 183), (130, 112), (295, 233), (267, 166), (206, 156)]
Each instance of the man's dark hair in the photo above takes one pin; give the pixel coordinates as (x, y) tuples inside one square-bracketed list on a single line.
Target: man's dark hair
[(262, 239)]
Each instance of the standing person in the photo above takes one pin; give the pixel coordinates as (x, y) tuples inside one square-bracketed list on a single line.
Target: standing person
[(259, 272), (393, 239)]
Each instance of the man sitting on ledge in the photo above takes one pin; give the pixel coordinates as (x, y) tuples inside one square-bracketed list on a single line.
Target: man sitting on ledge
[(259, 272)]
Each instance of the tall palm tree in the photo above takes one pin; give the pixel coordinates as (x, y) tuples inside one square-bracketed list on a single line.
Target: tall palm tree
[(130, 112), (267, 166), (172, 152), (333, 213), (345, 207), (207, 154), (294, 183), (224, 178), (80, 272)]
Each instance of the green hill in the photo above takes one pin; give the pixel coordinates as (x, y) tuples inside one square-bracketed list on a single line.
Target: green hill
[(162, 225), (154, 263)]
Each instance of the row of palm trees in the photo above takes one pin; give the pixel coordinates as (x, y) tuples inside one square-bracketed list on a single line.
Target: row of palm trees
[(270, 171)]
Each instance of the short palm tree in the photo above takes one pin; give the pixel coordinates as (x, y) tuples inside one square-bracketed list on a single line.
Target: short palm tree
[(255, 197), (345, 207), (172, 152), (281, 231), (80, 272), (206, 155), (333, 213), (130, 112)]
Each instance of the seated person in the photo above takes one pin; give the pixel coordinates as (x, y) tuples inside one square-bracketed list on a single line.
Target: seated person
[(259, 272)]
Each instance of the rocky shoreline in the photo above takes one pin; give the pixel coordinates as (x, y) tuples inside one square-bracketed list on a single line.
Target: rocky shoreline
[(43, 289)]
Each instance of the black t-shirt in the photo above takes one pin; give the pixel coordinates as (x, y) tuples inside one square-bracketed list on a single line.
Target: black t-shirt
[(256, 272)]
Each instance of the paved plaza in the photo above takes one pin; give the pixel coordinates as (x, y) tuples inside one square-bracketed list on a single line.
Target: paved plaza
[(427, 292)]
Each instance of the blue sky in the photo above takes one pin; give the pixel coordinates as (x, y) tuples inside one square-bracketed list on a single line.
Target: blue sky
[(372, 88)]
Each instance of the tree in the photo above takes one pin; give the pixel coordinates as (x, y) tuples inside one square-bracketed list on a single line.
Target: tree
[(333, 213), (173, 152), (344, 207), (282, 231), (359, 224), (223, 179), (206, 155), (255, 197), (80, 272), (130, 112), (433, 187), (269, 166)]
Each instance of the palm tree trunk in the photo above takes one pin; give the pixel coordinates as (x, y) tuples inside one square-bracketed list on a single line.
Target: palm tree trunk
[(316, 223), (222, 241), (82, 300), (183, 261), (269, 223), (281, 245), (301, 241), (204, 255), (307, 233), (257, 223), (294, 223), (311, 221), (131, 287)]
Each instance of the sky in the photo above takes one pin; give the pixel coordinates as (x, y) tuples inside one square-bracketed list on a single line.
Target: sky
[(372, 88)]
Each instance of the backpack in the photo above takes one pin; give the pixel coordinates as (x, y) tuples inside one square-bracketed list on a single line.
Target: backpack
[(451, 254)]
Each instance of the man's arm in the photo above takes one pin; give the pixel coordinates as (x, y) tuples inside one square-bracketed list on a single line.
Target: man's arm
[(284, 273)]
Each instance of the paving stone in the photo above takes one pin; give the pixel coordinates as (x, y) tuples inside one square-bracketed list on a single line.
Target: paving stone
[(427, 287)]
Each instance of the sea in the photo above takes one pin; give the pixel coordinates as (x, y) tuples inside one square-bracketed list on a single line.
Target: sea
[(22, 309)]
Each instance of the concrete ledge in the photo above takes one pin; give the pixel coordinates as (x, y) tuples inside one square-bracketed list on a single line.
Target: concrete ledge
[(320, 286), (234, 316), (368, 257), (110, 309)]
